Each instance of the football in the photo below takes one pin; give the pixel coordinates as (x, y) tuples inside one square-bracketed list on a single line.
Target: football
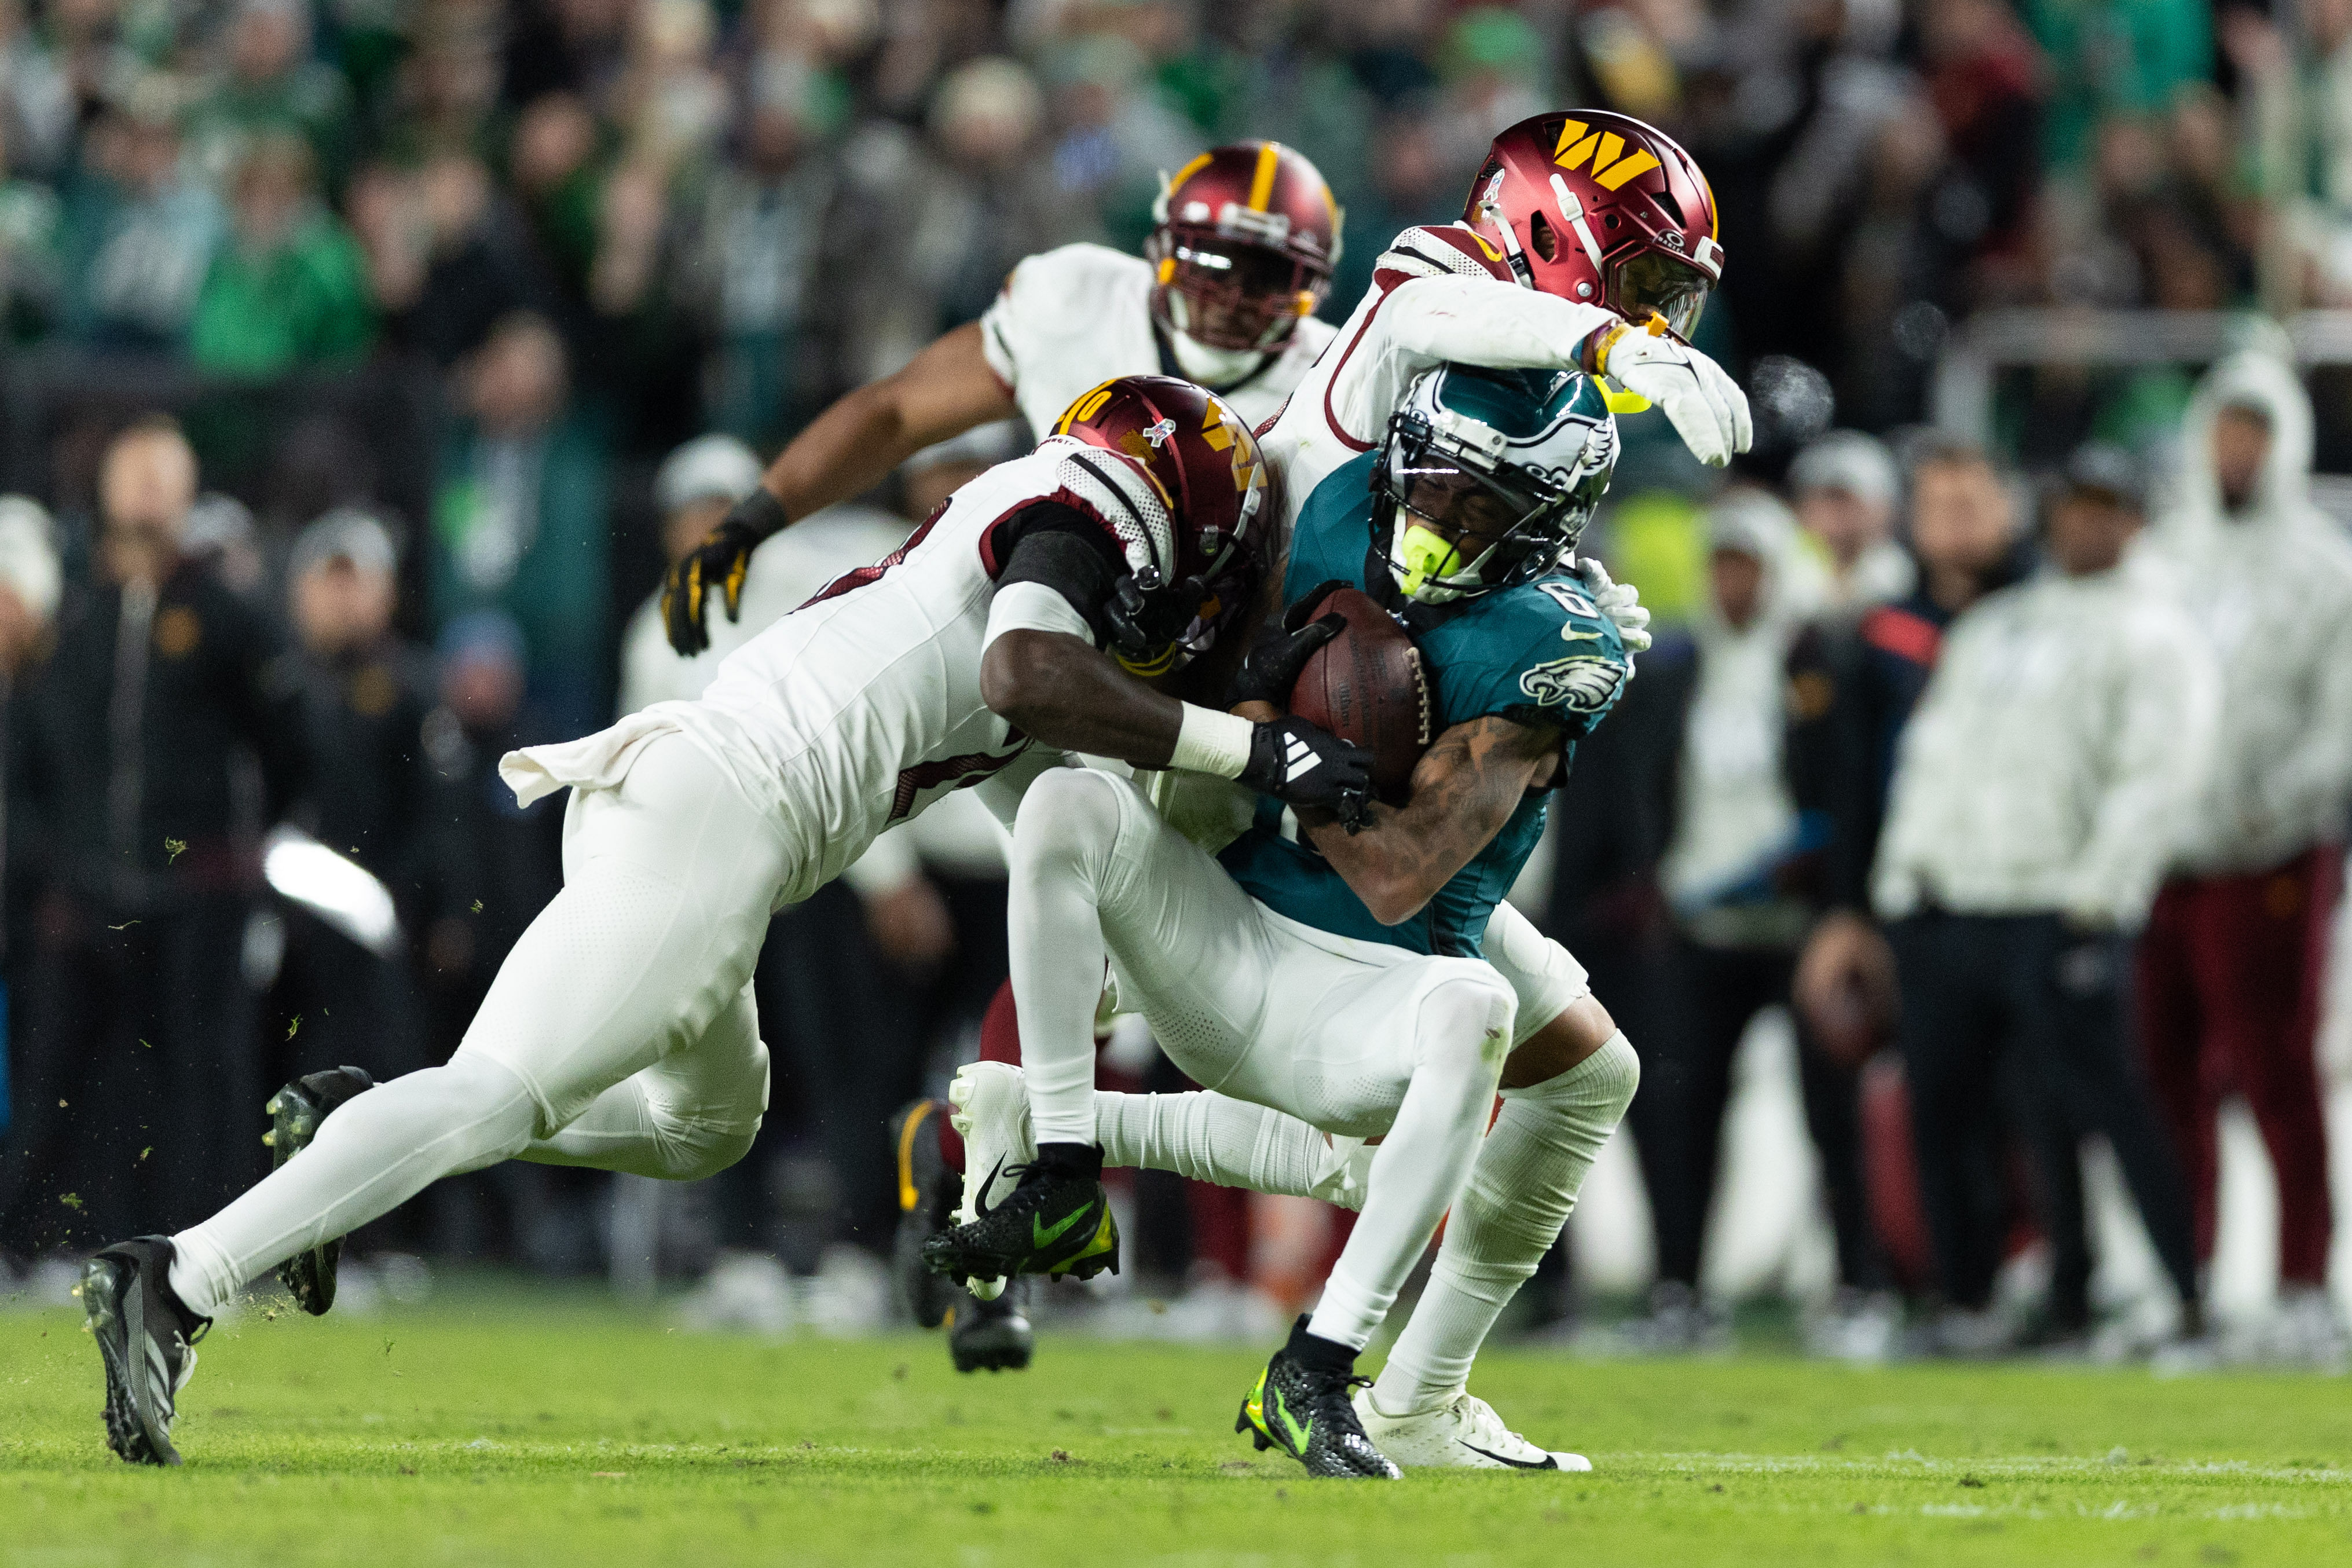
[(1366, 685)]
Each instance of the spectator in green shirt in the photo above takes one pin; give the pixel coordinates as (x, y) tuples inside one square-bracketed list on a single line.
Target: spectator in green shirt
[(272, 87), (2114, 56), (31, 274), (521, 524), (287, 286)]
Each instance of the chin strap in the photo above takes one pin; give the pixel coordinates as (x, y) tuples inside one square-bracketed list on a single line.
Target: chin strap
[(1171, 363)]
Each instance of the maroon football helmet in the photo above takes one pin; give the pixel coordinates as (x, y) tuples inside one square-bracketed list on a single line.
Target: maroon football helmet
[(1601, 208), (1200, 533), (1245, 239)]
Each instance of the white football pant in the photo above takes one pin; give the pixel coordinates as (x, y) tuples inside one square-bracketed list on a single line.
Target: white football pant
[(1356, 1037), (620, 1033)]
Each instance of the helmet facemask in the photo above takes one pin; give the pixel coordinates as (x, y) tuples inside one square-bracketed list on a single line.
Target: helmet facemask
[(1227, 294), (1462, 517), (1157, 626)]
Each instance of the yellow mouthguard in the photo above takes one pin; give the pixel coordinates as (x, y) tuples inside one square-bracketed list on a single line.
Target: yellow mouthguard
[(1427, 555)]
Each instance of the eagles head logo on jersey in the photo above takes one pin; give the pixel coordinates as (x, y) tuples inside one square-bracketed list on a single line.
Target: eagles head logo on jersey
[(1584, 683), (1487, 477)]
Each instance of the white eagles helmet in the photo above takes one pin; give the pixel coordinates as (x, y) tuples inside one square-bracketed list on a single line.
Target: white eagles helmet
[(1509, 465)]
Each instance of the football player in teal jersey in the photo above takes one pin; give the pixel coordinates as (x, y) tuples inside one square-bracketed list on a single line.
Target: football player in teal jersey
[(1457, 523), (1325, 977)]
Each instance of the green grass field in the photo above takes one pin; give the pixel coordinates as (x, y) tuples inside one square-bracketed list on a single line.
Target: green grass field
[(553, 1430)]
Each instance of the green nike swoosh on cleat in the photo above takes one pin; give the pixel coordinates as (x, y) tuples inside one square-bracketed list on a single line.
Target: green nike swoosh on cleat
[(1299, 1434), (1039, 1236)]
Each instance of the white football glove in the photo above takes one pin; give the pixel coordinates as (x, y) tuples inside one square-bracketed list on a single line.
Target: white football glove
[(1709, 411), (1621, 601)]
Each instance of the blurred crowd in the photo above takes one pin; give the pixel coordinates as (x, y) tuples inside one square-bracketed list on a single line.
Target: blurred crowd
[(366, 361), (2025, 797)]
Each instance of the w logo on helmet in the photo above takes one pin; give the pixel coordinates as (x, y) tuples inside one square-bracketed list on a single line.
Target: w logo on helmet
[(1604, 149), (1221, 430)]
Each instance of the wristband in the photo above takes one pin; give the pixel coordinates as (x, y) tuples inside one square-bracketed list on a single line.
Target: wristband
[(761, 512), (1597, 346), (1212, 742)]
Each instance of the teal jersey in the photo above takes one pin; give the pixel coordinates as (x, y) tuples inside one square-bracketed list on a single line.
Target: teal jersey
[(1539, 653)]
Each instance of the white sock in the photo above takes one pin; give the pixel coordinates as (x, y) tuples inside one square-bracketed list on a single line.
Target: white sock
[(1213, 1138), (1062, 848), (1522, 1187), (376, 1152), (1461, 1036)]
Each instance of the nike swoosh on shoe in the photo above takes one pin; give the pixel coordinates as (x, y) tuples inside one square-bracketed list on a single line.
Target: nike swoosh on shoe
[(981, 1207), (1040, 1236), (1548, 1463)]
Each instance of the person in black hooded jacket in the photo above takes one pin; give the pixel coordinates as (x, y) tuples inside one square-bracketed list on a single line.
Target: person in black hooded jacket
[(1853, 679)]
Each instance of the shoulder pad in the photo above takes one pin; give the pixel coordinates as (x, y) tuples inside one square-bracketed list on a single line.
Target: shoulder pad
[(1057, 288), (1116, 493), (1439, 250), (1582, 665)]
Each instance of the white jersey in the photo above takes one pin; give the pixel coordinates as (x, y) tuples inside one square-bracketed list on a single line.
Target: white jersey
[(1438, 294), (1070, 319), (785, 571), (863, 707)]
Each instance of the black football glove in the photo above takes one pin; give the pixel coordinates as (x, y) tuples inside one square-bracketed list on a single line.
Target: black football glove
[(1274, 659), (716, 565), (1280, 652), (1304, 765)]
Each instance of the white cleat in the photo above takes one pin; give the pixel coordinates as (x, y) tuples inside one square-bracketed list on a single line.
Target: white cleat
[(1463, 1436), (992, 1117), (2305, 1331)]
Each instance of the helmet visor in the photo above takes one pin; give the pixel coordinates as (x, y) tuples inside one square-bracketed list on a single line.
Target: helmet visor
[(1227, 295), (1656, 283)]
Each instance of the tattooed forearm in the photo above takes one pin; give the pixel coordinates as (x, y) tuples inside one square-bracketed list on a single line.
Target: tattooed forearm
[(1464, 790)]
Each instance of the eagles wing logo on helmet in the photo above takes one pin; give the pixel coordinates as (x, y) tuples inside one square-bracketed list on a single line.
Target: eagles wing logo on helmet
[(1582, 683)]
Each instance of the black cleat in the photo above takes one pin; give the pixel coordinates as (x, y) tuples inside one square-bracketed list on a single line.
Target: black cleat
[(1301, 1404), (295, 1112), (1057, 1221), (928, 1194), (148, 1342), (995, 1335)]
